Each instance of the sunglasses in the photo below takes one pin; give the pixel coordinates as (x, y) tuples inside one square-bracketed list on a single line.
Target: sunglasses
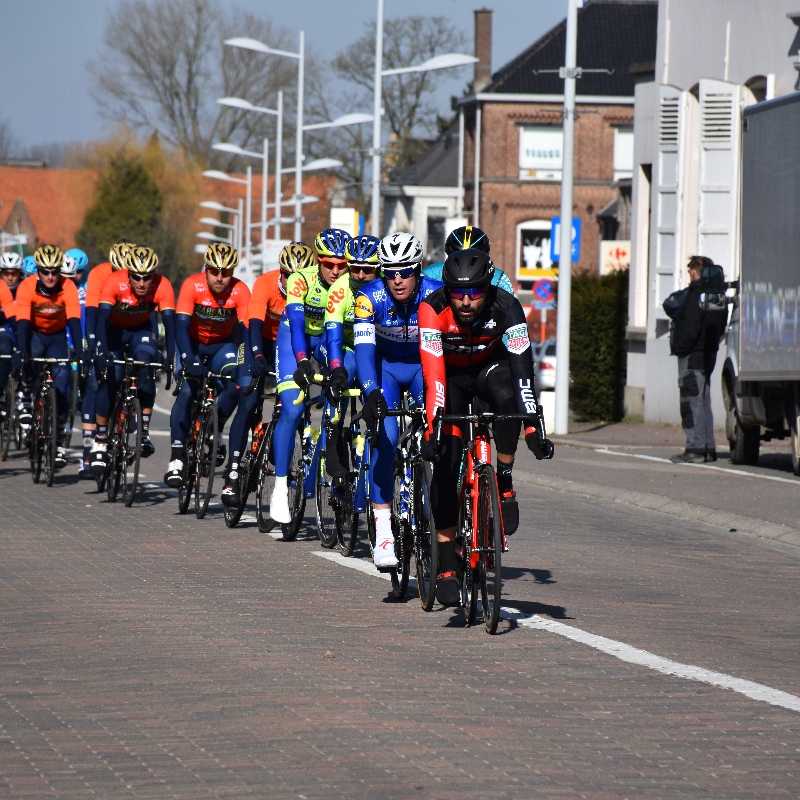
[(368, 268), (326, 261), (473, 292), (43, 271), (403, 273), (140, 278), (217, 272)]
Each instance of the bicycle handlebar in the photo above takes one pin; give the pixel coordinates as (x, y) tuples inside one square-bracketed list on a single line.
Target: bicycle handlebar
[(41, 360), (134, 363)]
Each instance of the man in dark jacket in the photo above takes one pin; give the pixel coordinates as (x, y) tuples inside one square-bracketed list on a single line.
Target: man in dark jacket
[(696, 333)]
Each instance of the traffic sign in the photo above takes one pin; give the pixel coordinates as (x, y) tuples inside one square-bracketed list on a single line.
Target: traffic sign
[(555, 239), (544, 295)]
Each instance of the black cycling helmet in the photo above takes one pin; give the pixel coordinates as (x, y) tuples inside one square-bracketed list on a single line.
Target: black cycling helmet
[(467, 269), (466, 237)]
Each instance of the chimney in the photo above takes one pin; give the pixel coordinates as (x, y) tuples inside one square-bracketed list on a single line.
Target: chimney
[(483, 49)]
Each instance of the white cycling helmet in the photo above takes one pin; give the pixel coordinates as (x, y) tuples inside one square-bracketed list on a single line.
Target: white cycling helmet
[(400, 250), (10, 260), (69, 267)]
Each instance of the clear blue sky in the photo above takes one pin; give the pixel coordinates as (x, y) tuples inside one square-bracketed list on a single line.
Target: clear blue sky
[(44, 82)]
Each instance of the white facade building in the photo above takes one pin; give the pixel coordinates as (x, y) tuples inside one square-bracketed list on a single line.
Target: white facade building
[(713, 58)]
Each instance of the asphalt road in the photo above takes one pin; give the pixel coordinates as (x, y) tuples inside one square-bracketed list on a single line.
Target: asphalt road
[(644, 654)]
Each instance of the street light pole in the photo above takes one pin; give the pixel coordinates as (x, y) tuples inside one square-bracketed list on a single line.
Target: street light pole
[(279, 163), (298, 158), (569, 75), (248, 213), (376, 124), (264, 182)]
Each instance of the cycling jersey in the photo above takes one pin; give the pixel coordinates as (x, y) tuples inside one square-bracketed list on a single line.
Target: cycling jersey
[(267, 303), (386, 328), (213, 318), (499, 277), (94, 287), (128, 311), (306, 299), (7, 308), (498, 333), (339, 319), (47, 312)]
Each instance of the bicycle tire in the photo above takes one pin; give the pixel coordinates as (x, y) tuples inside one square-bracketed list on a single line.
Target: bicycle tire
[(266, 480), (186, 489), (132, 451), (403, 540), (35, 439), (114, 469), (206, 462), (426, 546), (296, 484), (467, 574), (326, 515), (74, 387), (51, 440), (7, 422), (490, 536)]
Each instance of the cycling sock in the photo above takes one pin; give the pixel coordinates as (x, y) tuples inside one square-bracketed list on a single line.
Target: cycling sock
[(88, 441), (101, 435), (233, 461), (146, 423), (447, 556), (383, 522), (505, 481), (281, 483), (177, 452)]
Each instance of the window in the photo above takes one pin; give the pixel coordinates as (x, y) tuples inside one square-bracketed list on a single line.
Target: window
[(540, 153), (623, 153)]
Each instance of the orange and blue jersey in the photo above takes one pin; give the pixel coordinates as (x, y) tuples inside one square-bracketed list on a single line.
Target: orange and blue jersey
[(7, 306), (47, 312), (128, 311), (94, 287), (267, 303)]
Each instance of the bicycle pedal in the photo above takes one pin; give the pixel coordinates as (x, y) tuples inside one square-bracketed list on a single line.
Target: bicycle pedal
[(385, 570)]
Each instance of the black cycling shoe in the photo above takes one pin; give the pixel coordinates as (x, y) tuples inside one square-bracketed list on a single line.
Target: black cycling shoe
[(447, 588), (148, 448), (510, 511), (230, 492), (222, 454)]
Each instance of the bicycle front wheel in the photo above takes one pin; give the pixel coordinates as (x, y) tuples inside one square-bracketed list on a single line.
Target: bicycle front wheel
[(207, 448), (426, 549), (186, 489), (326, 514), (6, 420), (51, 437), (266, 481), (401, 529), (296, 487), (490, 536), (131, 450), (36, 439)]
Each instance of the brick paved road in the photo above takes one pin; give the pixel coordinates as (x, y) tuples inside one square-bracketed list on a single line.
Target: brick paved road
[(148, 655)]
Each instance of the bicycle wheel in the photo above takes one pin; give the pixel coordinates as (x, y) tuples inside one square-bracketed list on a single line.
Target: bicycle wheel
[(490, 536), (113, 474), (468, 571), (207, 447), (131, 450), (51, 437), (74, 386), (297, 495), (426, 549), (265, 482), (35, 441), (186, 490), (233, 515), (6, 421), (326, 514)]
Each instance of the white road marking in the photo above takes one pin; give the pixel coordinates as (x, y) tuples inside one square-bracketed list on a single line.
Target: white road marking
[(740, 472), (157, 407), (611, 647)]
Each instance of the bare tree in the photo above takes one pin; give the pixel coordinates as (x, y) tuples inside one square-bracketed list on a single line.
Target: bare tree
[(164, 65), (7, 142)]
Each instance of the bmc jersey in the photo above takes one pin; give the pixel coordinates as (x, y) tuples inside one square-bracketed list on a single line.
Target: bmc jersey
[(47, 313), (214, 317), (7, 309), (499, 332), (94, 285), (267, 303), (130, 312)]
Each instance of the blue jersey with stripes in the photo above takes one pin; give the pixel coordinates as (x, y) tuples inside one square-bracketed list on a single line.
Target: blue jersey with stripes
[(499, 278)]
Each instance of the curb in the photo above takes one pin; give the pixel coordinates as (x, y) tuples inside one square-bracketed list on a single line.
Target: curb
[(722, 521)]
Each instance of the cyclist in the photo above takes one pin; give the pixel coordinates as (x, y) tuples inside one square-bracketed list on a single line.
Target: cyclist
[(11, 270), (7, 339), (81, 265), (267, 304), (211, 315), (28, 266), (474, 342), (299, 343), (387, 358), (47, 305), (128, 301), (468, 236), (117, 255)]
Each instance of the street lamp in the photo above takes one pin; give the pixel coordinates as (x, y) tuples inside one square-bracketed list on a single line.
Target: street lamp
[(219, 175), (320, 163), (215, 206), (445, 61), (217, 223), (211, 237)]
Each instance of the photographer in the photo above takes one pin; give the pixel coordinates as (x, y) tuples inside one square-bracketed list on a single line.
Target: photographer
[(698, 323)]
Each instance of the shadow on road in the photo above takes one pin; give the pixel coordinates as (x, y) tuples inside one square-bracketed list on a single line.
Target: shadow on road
[(540, 609), (544, 576)]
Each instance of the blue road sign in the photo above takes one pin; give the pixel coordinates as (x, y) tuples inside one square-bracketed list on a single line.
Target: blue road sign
[(555, 239)]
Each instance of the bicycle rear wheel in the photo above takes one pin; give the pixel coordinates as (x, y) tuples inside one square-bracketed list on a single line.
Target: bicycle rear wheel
[(426, 549), (51, 437), (490, 536), (296, 485), (131, 450), (207, 448), (265, 482)]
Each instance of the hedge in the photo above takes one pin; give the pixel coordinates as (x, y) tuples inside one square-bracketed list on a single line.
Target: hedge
[(597, 345)]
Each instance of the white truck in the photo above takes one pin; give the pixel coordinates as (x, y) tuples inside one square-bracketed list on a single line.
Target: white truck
[(761, 372)]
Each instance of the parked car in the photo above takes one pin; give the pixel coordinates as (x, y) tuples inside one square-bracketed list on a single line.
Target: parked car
[(545, 365)]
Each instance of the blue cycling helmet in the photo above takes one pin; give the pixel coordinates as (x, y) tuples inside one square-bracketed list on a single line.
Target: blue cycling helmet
[(29, 265), (363, 251), (79, 257), (332, 243)]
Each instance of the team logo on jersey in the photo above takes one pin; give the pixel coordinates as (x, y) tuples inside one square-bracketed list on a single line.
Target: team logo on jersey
[(516, 339), (299, 288), (528, 397), (379, 295), (363, 308), (490, 323), (363, 333), (430, 341), (335, 296)]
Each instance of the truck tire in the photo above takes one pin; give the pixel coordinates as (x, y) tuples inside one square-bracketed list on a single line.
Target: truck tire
[(794, 438), (744, 450)]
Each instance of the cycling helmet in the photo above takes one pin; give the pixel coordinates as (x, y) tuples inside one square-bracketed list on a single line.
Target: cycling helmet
[(363, 250), (466, 237), (464, 269), (221, 256), (331, 243), (29, 265), (400, 250), (10, 260), (69, 268), (49, 256), (296, 255), (81, 259), (118, 254), (141, 260)]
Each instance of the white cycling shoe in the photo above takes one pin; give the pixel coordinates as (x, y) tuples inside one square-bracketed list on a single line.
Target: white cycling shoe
[(279, 502), (384, 556), (174, 475)]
